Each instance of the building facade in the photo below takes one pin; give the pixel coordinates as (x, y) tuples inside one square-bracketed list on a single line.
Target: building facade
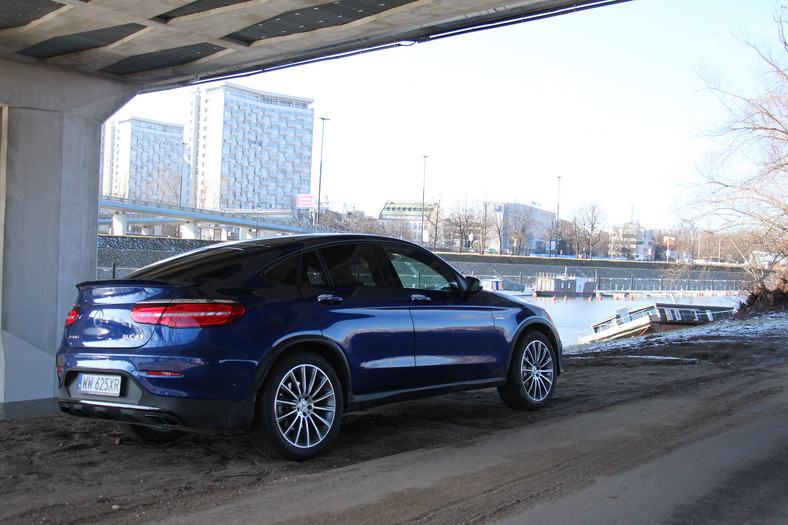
[(519, 229), (404, 220), (631, 241), (248, 149), (144, 160)]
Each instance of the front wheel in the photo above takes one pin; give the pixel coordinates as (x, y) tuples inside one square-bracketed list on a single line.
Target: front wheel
[(299, 408), (531, 377)]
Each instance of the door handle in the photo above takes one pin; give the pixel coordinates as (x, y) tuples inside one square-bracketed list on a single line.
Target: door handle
[(418, 298), (329, 299)]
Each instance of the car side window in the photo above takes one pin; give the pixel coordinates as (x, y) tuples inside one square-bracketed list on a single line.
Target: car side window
[(352, 265), (419, 270), (312, 272), (284, 272)]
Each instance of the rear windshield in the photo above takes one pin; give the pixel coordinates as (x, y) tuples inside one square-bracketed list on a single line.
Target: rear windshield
[(202, 264)]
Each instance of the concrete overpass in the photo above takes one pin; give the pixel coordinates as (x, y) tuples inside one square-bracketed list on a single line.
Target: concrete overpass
[(250, 225), (67, 65)]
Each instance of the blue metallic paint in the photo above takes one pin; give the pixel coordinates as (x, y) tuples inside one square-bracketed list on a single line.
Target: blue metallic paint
[(384, 346)]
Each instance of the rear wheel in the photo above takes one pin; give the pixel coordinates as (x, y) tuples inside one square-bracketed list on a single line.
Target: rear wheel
[(299, 408), (532, 372), (145, 434)]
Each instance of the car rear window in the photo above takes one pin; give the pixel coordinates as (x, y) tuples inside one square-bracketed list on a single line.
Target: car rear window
[(202, 264)]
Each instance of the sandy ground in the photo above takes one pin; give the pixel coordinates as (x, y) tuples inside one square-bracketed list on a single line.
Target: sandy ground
[(689, 427)]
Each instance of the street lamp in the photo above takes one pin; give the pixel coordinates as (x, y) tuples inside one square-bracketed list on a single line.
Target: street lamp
[(320, 173), (423, 192), (557, 213)]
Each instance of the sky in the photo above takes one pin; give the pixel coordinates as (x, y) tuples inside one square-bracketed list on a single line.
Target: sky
[(611, 100)]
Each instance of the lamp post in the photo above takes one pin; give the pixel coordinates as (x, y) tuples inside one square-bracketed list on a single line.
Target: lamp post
[(557, 213), (423, 193), (320, 172)]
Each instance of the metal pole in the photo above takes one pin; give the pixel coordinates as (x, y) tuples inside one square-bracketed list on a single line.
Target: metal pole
[(320, 173), (423, 193), (557, 212)]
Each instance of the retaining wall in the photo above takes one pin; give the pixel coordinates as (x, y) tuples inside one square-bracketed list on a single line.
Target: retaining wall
[(127, 253)]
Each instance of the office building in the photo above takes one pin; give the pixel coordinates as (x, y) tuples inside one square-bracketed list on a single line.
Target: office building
[(248, 149), (143, 160)]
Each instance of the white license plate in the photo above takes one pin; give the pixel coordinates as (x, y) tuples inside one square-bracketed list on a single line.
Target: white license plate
[(99, 384)]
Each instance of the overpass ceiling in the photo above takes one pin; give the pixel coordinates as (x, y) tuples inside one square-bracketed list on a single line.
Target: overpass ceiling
[(164, 43)]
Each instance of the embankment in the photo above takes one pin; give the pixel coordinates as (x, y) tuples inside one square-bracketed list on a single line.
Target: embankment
[(123, 254)]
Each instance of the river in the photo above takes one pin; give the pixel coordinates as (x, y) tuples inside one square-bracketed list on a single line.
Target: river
[(575, 315)]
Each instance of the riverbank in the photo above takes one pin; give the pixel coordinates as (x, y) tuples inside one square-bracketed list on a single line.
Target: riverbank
[(617, 406)]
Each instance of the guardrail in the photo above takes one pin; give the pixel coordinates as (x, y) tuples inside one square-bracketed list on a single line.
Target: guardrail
[(261, 219)]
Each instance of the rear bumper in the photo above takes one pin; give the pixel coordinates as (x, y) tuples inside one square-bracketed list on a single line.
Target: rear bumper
[(136, 405)]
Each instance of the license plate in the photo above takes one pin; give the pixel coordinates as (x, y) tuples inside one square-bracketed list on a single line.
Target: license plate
[(98, 384)]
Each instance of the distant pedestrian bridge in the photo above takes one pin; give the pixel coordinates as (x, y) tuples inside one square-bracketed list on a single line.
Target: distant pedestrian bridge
[(121, 216)]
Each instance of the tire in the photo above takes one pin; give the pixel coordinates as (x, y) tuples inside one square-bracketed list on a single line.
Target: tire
[(294, 421), (532, 374), (145, 434)]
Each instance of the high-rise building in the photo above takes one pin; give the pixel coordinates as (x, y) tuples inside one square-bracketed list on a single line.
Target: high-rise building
[(248, 149), (143, 159)]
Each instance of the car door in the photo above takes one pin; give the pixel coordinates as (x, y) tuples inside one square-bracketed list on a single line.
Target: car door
[(356, 305), (453, 330)]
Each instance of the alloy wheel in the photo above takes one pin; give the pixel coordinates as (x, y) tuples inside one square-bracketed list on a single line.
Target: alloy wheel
[(305, 406), (536, 370)]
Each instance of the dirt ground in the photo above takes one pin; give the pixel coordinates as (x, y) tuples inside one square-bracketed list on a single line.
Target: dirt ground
[(62, 469)]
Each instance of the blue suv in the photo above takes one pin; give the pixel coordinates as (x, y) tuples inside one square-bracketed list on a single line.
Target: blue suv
[(281, 336)]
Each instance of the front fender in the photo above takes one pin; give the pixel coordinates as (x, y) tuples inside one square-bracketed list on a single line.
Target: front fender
[(545, 326)]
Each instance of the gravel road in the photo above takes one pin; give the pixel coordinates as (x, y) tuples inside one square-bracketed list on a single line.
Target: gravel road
[(688, 427)]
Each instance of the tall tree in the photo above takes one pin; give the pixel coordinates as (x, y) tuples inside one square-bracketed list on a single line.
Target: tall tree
[(744, 190), (486, 222), (521, 227), (589, 223), (462, 223)]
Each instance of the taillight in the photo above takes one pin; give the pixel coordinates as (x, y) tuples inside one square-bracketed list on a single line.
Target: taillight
[(187, 314), (72, 316), (162, 373)]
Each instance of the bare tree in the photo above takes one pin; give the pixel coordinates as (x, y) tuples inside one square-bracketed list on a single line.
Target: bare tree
[(461, 224), (588, 223), (500, 226), (745, 186), (521, 226), (435, 225), (486, 222)]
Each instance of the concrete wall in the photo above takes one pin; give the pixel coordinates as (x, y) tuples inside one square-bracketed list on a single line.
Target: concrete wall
[(131, 253)]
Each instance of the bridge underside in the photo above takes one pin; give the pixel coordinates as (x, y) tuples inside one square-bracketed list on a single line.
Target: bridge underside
[(161, 43), (67, 65)]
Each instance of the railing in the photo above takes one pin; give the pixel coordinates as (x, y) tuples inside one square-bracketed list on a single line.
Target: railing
[(257, 218), (636, 285)]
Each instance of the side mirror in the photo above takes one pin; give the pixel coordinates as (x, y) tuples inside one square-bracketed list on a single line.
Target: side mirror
[(474, 284)]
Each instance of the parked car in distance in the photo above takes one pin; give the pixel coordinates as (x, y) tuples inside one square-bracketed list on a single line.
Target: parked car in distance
[(281, 336)]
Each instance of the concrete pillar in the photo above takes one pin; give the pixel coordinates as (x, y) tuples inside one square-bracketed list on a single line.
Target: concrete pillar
[(49, 163), (188, 230), (245, 233), (118, 223)]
